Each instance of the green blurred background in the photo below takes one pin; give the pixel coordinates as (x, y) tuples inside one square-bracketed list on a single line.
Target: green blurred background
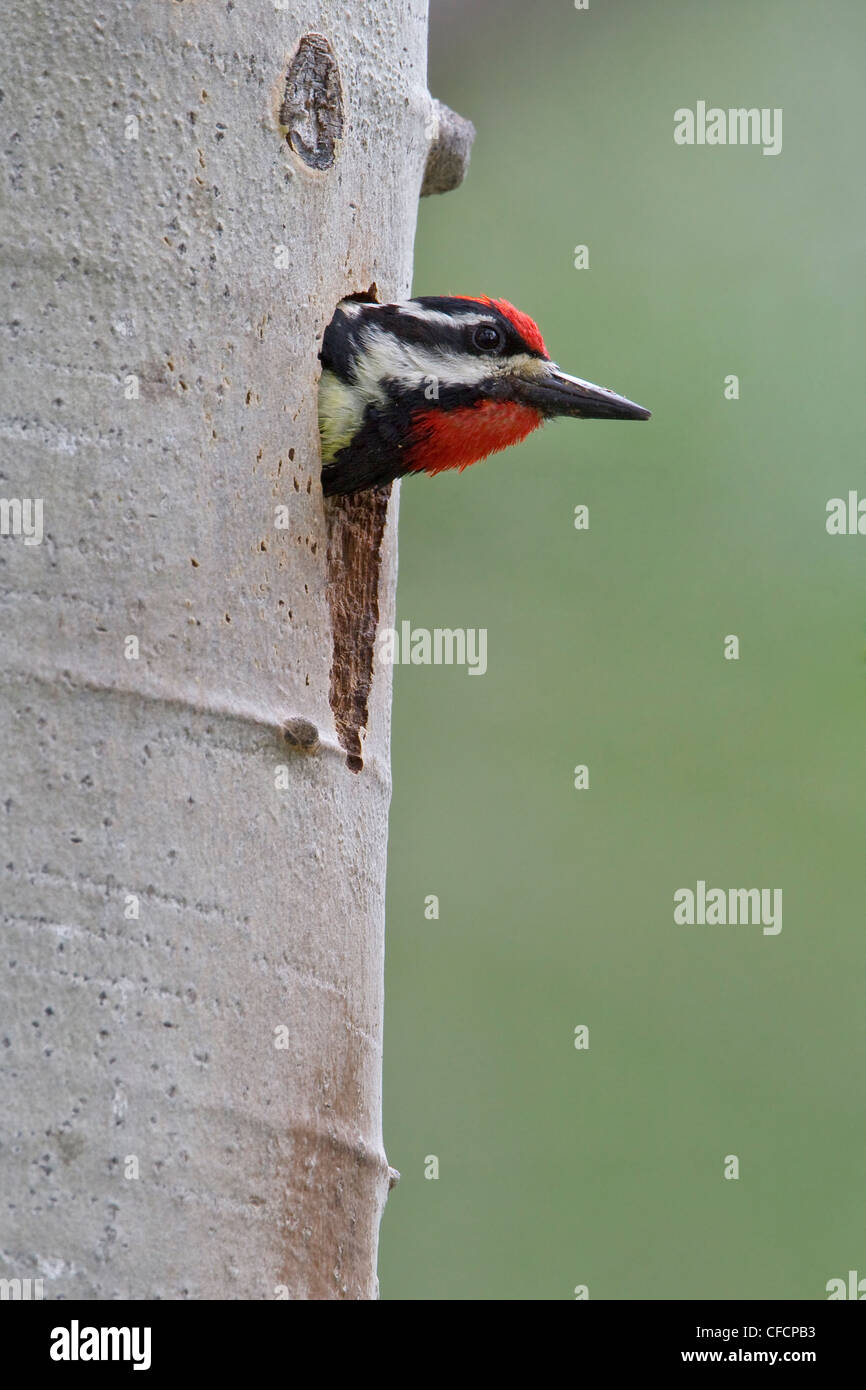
[(605, 1167)]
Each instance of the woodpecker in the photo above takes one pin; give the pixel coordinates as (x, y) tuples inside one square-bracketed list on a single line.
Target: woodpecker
[(437, 383)]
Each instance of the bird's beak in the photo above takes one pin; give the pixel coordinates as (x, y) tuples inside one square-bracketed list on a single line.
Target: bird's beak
[(554, 392)]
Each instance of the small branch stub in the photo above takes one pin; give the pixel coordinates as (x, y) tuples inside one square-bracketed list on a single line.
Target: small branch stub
[(312, 105), (301, 735), (450, 148)]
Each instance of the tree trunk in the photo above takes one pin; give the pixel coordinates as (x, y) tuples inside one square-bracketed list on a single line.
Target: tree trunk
[(195, 846)]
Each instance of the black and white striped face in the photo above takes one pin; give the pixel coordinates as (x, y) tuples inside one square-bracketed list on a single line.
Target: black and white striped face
[(385, 364), (454, 342)]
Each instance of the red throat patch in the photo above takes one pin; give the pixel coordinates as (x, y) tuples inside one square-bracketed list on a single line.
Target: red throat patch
[(455, 438), (526, 327)]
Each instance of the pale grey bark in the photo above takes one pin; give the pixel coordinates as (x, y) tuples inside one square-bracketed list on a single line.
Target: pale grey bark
[(148, 186)]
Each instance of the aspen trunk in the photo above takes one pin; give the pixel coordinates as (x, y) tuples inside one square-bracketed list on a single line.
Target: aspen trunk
[(193, 902)]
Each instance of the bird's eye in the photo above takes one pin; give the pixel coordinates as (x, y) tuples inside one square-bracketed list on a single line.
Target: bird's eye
[(487, 338)]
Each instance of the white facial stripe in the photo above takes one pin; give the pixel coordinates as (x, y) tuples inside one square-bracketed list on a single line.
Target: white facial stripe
[(437, 319), (353, 307), (386, 357)]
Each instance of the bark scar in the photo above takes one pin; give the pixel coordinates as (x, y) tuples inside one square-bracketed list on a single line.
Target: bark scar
[(356, 527), (312, 107)]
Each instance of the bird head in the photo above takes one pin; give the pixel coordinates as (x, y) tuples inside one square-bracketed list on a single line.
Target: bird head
[(439, 383)]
